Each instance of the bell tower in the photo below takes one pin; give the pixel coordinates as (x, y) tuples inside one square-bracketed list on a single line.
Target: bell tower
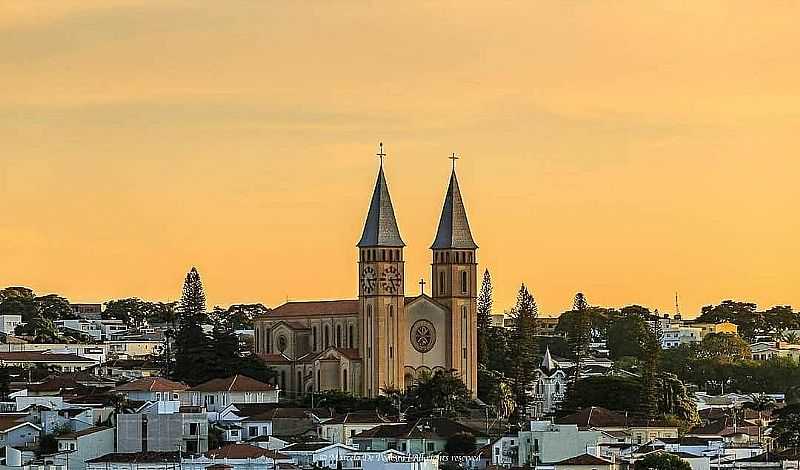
[(455, 283), (381, 293)]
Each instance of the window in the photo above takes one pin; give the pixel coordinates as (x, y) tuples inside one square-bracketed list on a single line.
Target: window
[(258, 344), (338, 336), (464, 283), (269, 340), (194, 429), (430, 446), (344, 379), (327, 336), (319, 380), (253, 431), (350, 338), (314, 338), (441, 282)]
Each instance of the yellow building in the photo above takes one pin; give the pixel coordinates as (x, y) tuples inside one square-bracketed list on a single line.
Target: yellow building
[(724, 327), (383, 339)]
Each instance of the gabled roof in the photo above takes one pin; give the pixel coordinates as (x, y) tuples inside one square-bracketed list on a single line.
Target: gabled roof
[(380, 228), (309, 446), (243, 451), (85, 432), (548, 364), (453, 231), (423, 428), (598, 417), (313, 308), (138, 457), (36, 356), (358, 417), (585, 459), (152, 384), (236, 383), (13, 421)]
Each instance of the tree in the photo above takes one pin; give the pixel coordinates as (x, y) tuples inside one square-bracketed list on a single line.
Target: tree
[(192, 306), (444, 391), (651, 350), (461, 443), (626, 335), (581, 336), (743, 314), (786, 430), (131, 311), (662, 461), (484, 315), (723, 345), (239, 316), (523, 350), (54, 307)]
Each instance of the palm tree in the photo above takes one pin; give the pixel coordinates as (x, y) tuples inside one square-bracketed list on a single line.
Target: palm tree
[(760, 402), (503, 399), (790, 337)]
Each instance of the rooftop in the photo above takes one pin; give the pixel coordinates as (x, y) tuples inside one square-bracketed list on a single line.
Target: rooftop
[(236, 383)]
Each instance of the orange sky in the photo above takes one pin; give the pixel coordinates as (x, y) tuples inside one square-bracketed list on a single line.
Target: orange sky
[(626, 149)]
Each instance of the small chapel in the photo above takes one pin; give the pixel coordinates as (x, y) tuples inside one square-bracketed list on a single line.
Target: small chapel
[(383, 339)]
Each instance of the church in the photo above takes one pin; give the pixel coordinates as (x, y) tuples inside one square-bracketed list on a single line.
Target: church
[(383, 339)]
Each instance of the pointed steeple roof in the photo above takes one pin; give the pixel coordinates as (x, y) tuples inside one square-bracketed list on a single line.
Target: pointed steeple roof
[(548, 364), (380, 229), (453, 232)]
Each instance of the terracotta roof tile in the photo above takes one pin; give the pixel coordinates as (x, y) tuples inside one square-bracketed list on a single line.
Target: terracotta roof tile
[(584, 459), (312, 308), (152, 384), (244, 451), (236, 383)]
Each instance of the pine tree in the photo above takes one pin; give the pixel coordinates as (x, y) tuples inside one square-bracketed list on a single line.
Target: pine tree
[(523, 350), (192, 306), (651, 352), (582, 335), (484, 316), (193, 349)]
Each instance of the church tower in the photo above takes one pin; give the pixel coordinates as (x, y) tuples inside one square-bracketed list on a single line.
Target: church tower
[(381, 294), (454, 281)]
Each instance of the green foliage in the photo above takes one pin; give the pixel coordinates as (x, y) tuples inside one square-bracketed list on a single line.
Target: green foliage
[(750, 321), (5, 383), (191, 309), (443, 392), (786, 429), (239, 316), (662, 461), (460, 444), (484, 315), (723, 346), (626, 395), (48, 444), (523, 350), (345, 402), (626, 335)]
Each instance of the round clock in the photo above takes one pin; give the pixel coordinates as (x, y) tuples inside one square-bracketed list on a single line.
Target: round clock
[(391, 280), (368, 279)]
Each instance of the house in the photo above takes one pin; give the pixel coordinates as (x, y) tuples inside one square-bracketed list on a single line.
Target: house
[(136, 461), (97, 330), (677, 335), (237, 457), (140, 347), (152, 389), (585, 462), (341, 429), (16, 432), (33, 359), (162, 427), (84, 350), (550, 387), (78, 447), (319, 454), (548, 443), (425, 435), (8, 323), (601, 419), (724, 327), (129, 368), (216, 394), (763, 351)]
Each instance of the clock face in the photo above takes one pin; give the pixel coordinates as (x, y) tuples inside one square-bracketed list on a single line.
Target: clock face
[(391, 280), (369, 279)]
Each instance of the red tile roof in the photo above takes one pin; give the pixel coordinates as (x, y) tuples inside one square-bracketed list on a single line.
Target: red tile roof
[(237, 383), (584, 459), (35, 356), (152, 384), (319, 308), (243, 451)]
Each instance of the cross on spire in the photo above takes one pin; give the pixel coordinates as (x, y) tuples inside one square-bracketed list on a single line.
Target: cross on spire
[(454, 157), (380, 153), (422, 286)]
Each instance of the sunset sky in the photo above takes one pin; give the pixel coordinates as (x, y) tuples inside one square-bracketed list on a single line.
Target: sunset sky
[(625, 149)]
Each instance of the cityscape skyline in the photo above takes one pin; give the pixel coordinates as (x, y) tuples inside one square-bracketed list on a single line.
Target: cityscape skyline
[(626, 151)]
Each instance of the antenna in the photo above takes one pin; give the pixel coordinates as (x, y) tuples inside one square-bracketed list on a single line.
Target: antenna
[(677, 308)]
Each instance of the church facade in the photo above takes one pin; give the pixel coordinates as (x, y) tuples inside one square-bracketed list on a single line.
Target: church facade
[(383, 339)]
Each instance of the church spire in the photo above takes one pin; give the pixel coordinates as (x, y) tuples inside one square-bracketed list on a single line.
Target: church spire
[(453, 231), (548, 364), (380, 229)]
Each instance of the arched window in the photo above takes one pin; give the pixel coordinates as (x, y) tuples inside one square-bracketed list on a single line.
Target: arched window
[(338, 336), (391, 255), (314, 338), (441, 283), (299, 384), (258, 344), (269, 341), (283, 380), (344, 380), (350, 338), (319, 380), (464, 283), (327, 336)]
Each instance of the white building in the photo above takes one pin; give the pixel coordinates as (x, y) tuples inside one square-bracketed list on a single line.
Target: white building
[(153, 389), (342, 428), (216, 394), (136, 461), (549, 443), (550, 387), (76, 448), (163, 426), (676, 335), (8, 323)]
